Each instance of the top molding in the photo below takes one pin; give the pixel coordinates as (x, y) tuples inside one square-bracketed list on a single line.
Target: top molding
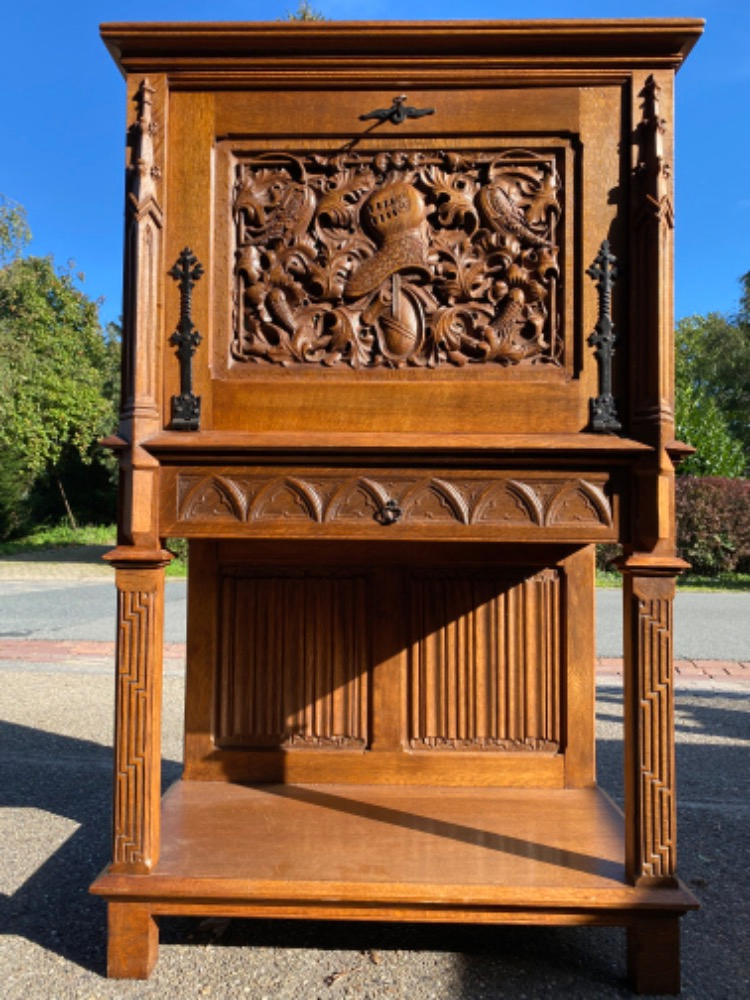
[(562, 44)]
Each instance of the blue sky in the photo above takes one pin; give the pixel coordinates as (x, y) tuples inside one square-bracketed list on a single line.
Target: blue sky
[(63, 125)]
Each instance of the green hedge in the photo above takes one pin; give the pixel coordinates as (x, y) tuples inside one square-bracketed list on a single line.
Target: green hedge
[(713, 523), (713, 526)]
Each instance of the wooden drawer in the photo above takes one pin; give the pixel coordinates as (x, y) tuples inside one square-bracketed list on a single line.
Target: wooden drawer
[(388, 503)]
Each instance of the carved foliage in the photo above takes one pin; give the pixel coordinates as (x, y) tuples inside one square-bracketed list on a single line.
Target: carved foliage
[(295, 661), (348, 498), (397, 259), (484, 672)]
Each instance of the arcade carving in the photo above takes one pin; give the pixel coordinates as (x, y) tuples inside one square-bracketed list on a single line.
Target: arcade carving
[(397, 259)]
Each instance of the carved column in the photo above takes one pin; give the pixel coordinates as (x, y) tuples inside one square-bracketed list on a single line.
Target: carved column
[(652, 350), (140, 415), (648, 593), (137, 790)]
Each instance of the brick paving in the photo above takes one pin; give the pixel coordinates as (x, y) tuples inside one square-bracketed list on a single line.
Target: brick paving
[(72, 652)]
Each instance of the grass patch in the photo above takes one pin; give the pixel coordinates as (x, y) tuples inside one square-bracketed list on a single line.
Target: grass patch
[(61, 536), (53, 538), (724, 581), (609, 580), (179, 549)]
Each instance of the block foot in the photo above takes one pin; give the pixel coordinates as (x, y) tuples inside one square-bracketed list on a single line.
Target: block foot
[(133, 941), (654, 955)]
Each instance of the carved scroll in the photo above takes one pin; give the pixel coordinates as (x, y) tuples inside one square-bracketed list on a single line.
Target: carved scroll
[(295, 664), (484, 672), (402, 259)]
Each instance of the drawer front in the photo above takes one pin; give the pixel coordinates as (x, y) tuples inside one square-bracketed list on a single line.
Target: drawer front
[(358, 503)]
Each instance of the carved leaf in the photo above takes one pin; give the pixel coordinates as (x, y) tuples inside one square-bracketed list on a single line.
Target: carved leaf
[(337, 208)]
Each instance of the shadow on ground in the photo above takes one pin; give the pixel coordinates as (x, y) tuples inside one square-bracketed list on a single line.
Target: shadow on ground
[(71, 778)]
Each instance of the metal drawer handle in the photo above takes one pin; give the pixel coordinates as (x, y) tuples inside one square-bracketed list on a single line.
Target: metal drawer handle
[(389, 513)]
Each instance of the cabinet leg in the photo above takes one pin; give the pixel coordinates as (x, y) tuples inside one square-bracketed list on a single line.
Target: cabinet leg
[(133, 941), (137, 794), (650, 819), (654, 955)]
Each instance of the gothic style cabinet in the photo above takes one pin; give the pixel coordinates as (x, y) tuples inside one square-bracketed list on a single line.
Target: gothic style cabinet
[(397, 354)]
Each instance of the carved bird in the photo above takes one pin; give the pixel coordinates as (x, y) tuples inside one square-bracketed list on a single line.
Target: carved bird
[(505, 216)]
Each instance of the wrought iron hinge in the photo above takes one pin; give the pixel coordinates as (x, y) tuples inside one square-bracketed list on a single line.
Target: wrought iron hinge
[(186, 408), (603, 409)]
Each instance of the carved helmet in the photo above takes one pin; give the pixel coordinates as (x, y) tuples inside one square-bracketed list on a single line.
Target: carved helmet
[(393, 215)]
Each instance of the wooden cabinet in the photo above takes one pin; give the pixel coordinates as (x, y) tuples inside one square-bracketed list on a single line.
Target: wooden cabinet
[(397, 354)]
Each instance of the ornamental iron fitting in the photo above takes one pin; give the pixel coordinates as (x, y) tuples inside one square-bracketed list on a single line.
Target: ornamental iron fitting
[(186, 408), (398, 112), (389, 513), (602, 408)]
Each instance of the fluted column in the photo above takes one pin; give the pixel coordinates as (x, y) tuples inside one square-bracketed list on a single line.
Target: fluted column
[(137, 788), (648, 594)]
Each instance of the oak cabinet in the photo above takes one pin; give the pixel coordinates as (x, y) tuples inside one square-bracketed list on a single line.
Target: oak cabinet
[(397, 355)]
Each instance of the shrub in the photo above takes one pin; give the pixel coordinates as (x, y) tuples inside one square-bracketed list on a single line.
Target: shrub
[(713, 523)]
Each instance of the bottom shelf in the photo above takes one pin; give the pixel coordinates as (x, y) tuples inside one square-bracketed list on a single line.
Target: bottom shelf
[(395, 853)]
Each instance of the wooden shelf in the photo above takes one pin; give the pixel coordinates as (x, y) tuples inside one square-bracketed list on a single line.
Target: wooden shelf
[(378, 446), (499, 855)]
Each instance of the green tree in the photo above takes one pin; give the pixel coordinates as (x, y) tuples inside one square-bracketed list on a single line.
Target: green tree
[(712, 356), (56, 373), (305, 12), (14, 229), (701, 424)]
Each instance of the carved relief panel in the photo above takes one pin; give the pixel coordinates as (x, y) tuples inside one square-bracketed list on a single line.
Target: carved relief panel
[(399, 259)]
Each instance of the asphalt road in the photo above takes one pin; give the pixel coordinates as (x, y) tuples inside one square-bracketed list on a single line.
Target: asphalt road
[(55, 793), (708, 626)]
